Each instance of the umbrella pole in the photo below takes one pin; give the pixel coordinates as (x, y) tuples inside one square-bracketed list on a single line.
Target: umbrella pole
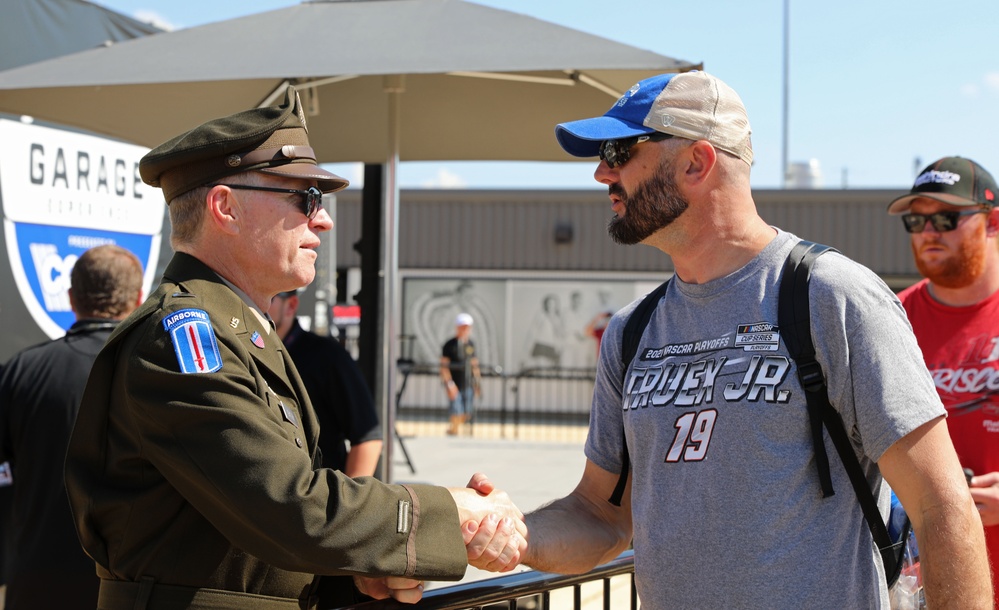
[(390, 308)]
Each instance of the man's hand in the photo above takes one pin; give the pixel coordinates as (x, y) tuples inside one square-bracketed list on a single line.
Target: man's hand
[(405, 590), (494, 544), (491, 525), (985, 493)]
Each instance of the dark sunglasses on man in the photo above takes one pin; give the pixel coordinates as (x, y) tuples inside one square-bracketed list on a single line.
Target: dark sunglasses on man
[(617, 152), (311, 199), (941, 221)]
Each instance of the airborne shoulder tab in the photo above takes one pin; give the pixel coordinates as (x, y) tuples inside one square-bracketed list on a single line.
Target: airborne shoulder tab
[(193, 341)]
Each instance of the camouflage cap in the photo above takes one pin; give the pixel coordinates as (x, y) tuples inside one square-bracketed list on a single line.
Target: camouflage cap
[(273, 140)]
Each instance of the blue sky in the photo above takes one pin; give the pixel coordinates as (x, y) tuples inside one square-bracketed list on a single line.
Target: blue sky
[(876, 86)]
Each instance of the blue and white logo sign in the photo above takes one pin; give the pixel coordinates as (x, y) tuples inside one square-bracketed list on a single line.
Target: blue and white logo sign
[(62, 194), (194, 341)]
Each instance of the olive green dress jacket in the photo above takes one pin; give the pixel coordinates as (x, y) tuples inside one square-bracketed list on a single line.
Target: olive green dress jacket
[(193, 463)]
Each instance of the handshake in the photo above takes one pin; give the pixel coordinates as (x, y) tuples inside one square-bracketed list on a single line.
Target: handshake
[(492, 526), (493, 530)]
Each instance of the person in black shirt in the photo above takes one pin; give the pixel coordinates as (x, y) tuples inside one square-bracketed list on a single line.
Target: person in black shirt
[(460, 373), (40, 393), (339, 394), (343, 404)]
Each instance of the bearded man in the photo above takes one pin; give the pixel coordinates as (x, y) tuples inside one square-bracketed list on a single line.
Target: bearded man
[(719, 492), (951, 216)]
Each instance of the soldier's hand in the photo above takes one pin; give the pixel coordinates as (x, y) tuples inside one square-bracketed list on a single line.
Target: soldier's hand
[(405, 590)]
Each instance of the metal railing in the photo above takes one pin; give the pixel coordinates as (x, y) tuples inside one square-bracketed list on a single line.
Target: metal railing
[(551, 395), (526, 590), (509, 402)]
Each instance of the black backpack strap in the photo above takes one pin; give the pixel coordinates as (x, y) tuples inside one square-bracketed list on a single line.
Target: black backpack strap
[(890, 552), (634, 328), (794, 322)]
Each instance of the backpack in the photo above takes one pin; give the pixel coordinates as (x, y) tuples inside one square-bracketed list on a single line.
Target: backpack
[(794, 322)]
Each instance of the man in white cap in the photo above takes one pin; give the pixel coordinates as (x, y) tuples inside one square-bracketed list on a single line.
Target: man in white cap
[(460, 373), (722, 500)]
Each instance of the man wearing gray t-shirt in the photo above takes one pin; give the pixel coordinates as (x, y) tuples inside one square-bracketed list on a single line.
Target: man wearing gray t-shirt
[(723, 501)]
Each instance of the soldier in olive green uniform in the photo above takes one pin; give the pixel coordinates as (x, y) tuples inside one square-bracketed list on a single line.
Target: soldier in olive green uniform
[(193, 470)]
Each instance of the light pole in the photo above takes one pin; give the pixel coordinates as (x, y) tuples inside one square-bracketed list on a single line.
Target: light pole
[(784, 129)]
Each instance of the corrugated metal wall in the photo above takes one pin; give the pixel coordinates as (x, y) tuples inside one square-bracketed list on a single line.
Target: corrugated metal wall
[(515, 230), (853, 221)]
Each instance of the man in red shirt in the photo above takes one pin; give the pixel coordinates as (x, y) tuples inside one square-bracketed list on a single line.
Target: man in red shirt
[(951, 216)]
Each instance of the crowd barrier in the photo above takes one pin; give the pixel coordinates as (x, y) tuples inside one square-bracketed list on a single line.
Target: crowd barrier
[(547, 404), (610, 586)]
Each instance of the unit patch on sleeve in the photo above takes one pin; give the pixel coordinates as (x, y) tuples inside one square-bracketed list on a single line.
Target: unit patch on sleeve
[(193, 341)]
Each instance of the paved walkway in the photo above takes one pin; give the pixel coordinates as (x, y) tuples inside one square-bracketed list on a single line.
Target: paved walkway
[(532, 472)]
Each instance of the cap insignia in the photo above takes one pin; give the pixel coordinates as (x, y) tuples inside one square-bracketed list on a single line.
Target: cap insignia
[(628, 94), (301, 112), (938, 177)]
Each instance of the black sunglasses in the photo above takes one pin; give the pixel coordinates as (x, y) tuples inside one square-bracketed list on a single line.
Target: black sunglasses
[(617, 152), (309, 204), (941, 221)]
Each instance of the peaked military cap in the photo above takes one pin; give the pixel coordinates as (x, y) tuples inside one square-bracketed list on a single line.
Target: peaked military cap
[(273, 140)]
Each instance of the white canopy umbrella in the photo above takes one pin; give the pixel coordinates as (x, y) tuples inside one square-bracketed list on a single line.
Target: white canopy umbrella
[(383, 81)]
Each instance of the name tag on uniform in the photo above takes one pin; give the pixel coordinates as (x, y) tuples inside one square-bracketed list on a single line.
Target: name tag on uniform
[(289, 415)]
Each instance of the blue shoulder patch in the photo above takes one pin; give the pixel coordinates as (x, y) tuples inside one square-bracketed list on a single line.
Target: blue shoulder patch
[(194, 341)]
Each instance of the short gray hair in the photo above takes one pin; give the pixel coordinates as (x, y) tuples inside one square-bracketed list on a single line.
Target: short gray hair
[(188, 210)]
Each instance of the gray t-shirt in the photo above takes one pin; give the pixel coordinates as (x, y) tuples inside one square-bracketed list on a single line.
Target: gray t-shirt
[(727, 507)]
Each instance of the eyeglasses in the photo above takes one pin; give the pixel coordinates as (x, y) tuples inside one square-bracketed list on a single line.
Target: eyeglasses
[(309, 204), (941, 221), (617, 152)]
